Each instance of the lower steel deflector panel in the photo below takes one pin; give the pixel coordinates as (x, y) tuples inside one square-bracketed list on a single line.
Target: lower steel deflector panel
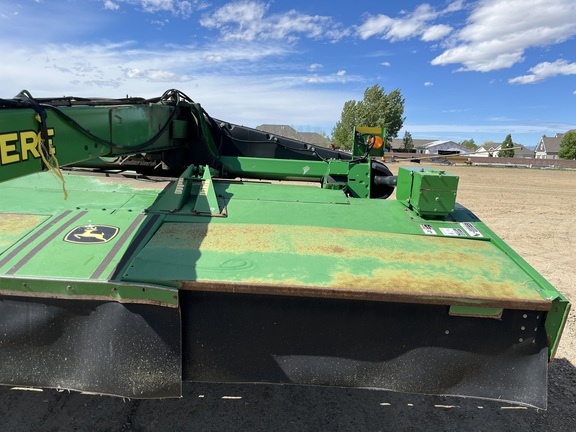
[(128, 350), (394, 346), (145, 351)]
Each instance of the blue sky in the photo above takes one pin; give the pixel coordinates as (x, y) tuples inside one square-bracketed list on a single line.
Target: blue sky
[(468, 69)]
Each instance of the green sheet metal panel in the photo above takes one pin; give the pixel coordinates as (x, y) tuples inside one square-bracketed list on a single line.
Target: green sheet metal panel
[(275, 238), (81, 245), (14, 226), (83, 237), (331, 262)]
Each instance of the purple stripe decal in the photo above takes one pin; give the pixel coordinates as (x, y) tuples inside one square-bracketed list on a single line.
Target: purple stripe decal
[(135, 242), (47, 226), (47, 240), (119, 243)]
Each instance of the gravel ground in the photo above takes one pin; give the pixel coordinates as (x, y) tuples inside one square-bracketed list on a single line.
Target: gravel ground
[(533, 210)]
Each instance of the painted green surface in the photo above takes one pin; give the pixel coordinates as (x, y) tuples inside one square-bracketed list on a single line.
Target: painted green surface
[(474, 311), (275, 236), (38, 256), (125, 126), (423, 268), (273, 168), (75, 260), (90, 290), (429, 192), (14, 226)]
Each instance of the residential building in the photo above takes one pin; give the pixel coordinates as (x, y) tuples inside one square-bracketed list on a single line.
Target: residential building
[(492, 149), (548, 147), (442, 148), (282, 130), (398, 144), (290, 132), (314, 138), (488, 150)]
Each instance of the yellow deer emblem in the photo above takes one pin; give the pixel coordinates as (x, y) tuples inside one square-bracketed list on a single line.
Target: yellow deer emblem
[(91, 234)]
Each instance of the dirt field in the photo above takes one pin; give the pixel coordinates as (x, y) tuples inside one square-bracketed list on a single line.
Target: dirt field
[(533, 210)]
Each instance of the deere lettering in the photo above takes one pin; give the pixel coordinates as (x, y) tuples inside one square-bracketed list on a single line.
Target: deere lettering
[(21, 146)]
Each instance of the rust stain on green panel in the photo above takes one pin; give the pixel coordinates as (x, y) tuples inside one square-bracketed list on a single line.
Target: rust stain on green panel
[(14, 226), (443, 286), (302, 240), (334, 242), (335, 262)]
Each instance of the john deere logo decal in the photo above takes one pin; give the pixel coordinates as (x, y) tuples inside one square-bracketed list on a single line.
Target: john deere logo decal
[(92, 234)]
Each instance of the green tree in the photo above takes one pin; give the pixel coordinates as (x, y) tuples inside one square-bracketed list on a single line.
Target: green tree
[(568, 145), (342, 132), (377, 109), (470, 144), (407, 141), (507, 149)]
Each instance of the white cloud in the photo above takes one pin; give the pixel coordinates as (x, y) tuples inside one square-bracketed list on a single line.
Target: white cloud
[(398, 28), (175, 7), (498, 32), (428, 84), (386, 64), (455, 6), (122, 63), (214, 58), (504, 128), (545, 70), (436, 32), (314, 67), (339, 77), (250, 90), (411, 24), (110, 5), (155, 75), (247, 20)]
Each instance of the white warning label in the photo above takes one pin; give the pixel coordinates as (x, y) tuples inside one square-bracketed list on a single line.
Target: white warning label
[(428, 230), (454, 232), (471, 229)]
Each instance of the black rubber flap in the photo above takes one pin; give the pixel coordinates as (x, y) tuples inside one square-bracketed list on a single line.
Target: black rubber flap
[(402, 347), (127, 350)]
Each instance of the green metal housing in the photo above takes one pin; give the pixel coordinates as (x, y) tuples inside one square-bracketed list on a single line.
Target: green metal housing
[(431, 193), (228, 272)]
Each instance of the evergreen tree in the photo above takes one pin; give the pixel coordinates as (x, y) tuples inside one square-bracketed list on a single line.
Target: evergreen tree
[(568, 146), (407, 142), (377, 109), (507, 147)]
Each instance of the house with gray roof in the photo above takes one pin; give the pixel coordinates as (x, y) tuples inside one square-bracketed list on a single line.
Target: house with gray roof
[(492, 149), (548, 147), (441, 147), (282, 130), (488, 150), (314, 138), (290, 132), (398, 143)]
